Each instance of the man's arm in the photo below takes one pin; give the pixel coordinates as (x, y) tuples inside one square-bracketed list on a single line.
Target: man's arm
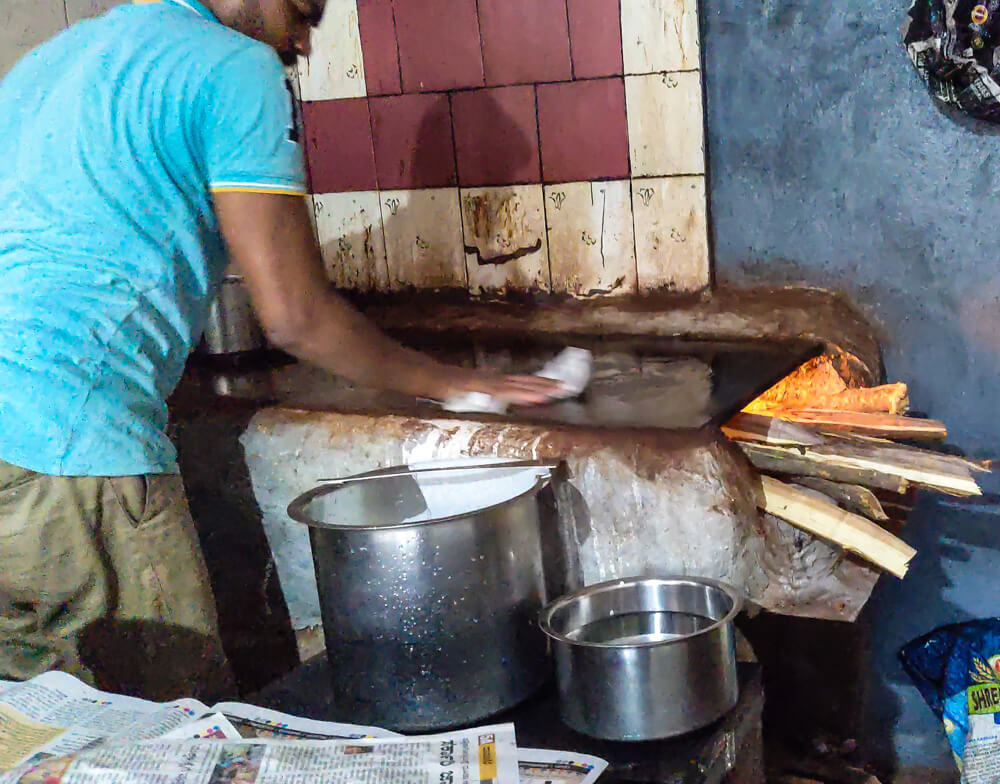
[(270, 239)]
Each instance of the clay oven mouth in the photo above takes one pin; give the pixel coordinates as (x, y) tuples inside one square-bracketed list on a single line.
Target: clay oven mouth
[(680, 497)]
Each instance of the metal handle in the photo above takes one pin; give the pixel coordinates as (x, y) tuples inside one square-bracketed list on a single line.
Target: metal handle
[(407, 471)]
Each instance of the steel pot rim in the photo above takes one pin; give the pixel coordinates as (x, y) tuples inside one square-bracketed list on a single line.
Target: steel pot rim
[(545, 618), (296, 509)]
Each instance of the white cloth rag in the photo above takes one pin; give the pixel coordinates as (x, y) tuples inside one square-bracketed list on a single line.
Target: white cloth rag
[(573, 367)]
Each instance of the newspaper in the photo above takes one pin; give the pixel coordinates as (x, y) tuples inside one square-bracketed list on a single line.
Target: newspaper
[(56, 730), (541, 766), (485, 755), (54, 715), (254, 722)]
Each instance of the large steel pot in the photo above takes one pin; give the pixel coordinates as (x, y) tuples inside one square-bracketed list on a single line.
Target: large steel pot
[(430, 588), (645, 658)]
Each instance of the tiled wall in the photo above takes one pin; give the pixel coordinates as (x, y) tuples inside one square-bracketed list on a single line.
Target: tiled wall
[(508, 144)]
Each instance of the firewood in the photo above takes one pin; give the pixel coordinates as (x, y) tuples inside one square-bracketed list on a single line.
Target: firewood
[(886, 399), (780, 460), (854, 498), (945, 473), (882, 425), (827, 520), (769, 430)]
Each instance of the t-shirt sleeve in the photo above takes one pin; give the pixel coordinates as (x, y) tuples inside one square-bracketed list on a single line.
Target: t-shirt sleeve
[(250, 137)]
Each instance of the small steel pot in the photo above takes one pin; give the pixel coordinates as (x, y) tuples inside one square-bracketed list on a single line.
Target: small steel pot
[(644, 658), (232, 326)]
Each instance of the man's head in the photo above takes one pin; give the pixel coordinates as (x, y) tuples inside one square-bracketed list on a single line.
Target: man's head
[(285, 25)]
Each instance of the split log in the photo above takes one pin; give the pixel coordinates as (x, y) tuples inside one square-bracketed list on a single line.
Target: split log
[(884, 462), (886, 399), (854, 498), (770, 430), (781, 460), (827, 520), (880, 425)]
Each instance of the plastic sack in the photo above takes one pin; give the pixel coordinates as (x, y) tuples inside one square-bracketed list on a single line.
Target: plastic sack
[(955, 47), (957, 670)]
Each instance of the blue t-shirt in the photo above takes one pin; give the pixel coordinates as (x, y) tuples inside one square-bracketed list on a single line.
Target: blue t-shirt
[(115, 135)]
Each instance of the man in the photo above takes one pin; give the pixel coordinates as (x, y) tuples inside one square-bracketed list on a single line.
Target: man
[(143, 152)]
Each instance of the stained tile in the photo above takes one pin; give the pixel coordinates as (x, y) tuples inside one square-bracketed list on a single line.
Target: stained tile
[(378, 42), (665, 125), (496, 136), (595, 35), (524, 41), (583, 130), (413, 142), (671, 233), (591, 240), (423, 238), (659, 35), (335, 68), (339, 145), (439, 45), (349, 229), (505, 243)]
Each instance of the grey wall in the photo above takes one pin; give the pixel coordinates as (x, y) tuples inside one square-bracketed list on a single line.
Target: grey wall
[(831, 166), (26, 23)]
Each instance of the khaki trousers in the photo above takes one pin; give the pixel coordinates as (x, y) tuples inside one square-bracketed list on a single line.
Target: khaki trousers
[(103, 577)]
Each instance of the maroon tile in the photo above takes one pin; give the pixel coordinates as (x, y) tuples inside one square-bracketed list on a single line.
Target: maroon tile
[(496, 136), (413, 141), (525, 41), (339, 150), (595, 33), (584, 134), (438, 44), (378, 44)]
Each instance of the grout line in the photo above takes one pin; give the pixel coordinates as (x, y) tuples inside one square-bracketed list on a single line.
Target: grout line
[(395, 38), (458, 193), (569, 40), (482, 54), (66, 11), (631, 175), (474, 88), (541, 185), (385, 241)]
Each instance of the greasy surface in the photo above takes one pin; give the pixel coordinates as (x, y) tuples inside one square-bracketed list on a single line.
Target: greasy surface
[(655, 383), (730, 313)]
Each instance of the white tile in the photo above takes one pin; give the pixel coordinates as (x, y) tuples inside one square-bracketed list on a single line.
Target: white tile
[(336, 67), (591, 240), (665, 126), (671, 233), (349, 227), (423, 238), (505, 243), (659, 35)]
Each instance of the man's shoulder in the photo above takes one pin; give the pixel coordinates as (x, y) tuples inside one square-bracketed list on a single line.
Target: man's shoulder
[(205, 43)]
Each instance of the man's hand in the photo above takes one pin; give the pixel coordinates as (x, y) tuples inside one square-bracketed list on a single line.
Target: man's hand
[(519, 390), (270, 238)]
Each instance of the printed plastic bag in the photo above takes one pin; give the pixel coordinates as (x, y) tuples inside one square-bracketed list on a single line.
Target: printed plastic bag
[(955, 47), (957, 670)]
